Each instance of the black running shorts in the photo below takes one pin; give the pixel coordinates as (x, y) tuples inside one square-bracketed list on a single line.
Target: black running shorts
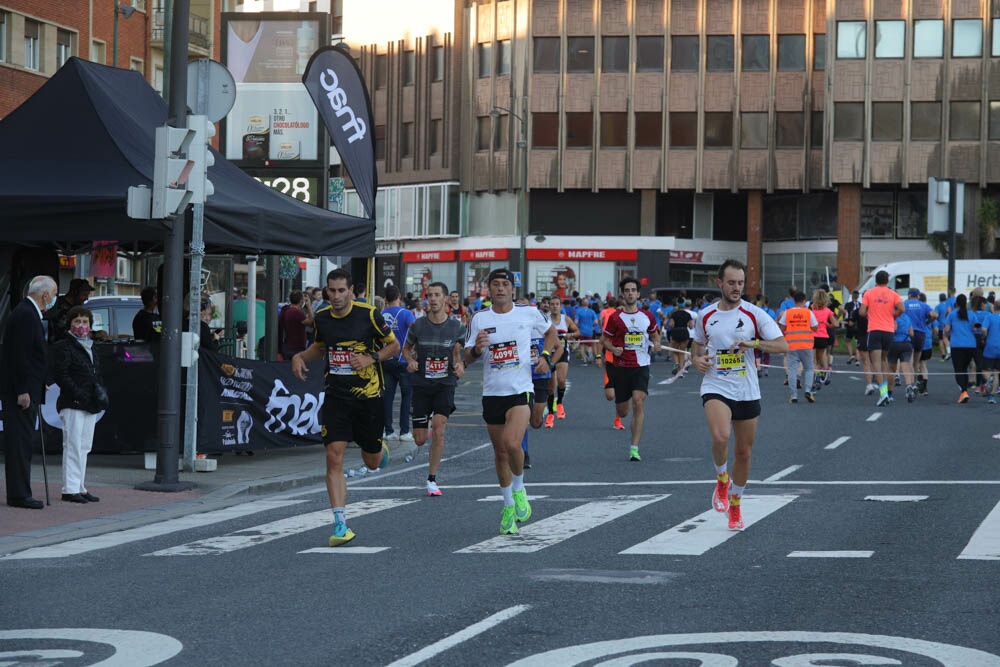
[(495, 407), (541, 389), (354, 420), (437, 399), (627, 380), (741, 410)]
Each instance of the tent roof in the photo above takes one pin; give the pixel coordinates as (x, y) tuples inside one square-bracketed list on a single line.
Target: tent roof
[(70, 152)]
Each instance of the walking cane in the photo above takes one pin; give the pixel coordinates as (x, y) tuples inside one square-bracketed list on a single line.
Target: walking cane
[(45, 471)]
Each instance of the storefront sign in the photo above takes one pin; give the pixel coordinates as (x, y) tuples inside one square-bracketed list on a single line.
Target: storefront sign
[(583, 254), (483, 255), (686, 256), (430, 256)]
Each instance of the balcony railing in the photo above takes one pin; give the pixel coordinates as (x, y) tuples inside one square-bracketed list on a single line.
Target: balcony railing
[(199, 29)]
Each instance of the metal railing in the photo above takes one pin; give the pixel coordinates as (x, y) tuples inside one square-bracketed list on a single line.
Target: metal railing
[(199, 29)]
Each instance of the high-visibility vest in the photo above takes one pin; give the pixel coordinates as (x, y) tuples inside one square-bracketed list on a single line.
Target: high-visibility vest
[(798, 331)]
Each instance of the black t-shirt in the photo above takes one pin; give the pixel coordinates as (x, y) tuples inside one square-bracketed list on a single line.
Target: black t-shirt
[(147, 326), (680, 317), (434, 345), (361, 331)]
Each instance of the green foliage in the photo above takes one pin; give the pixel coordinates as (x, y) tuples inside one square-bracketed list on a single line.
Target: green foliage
[(940, 244), (989, 217)]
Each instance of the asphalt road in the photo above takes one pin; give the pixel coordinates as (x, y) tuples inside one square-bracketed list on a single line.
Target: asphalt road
[(873, 538)]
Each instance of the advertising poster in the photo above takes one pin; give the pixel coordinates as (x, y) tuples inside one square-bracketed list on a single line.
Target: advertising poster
[(562, 278)]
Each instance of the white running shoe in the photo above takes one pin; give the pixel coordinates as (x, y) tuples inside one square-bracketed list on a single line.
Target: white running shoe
[(871, 389), (406, 437), (432, 489)]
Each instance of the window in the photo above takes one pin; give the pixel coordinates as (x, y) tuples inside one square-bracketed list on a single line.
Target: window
[(32, 46), (890, 39), (614, 54), (851, 36), (994, 51), (579, 130), (683, 130), (790, 129), (64, 47), (546, 54), (98, 52), (720, 53), (136, 65), (485, 60), (437, 63), (719, 129), (816, 130), (409, 67), (434, 136), (684, 53), (501, 124), (928, 38), (544, 130), (876, 214), (380, 142), (503, 56), (753, 130), (648, 129), (887, 121), (925, 121), (964, 122), (848, 121), (3, 36), (649, 54), (994, 131), (967, 38), (756, 53), (580, 54), (381, 70), (406, 140), (792, 52), (819, 52), (483, 132), (614, 130)]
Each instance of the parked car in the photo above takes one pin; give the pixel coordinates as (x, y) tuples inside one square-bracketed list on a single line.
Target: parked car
[(114, 314)]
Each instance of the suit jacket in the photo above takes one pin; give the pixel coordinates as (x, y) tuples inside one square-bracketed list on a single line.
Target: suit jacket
[(22, 360)]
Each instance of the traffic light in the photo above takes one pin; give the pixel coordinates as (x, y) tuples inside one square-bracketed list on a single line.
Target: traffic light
[(171, 169), (204, 129)]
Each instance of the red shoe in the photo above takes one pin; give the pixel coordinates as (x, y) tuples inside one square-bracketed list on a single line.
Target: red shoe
[(735, 517), (720, 497), (550, 420), (560, 413), (619, 426)]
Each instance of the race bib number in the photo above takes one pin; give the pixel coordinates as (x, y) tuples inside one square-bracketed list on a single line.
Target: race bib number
[(436, 368), (730, 364), (633, 341), (504, 356), (536, 345), (340, 361)]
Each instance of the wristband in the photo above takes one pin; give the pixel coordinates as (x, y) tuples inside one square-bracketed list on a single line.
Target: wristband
[(375, 358), (756, 343), (475, 353), (546, 355)]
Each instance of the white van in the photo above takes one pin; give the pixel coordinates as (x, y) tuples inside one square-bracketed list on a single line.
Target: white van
[(931, 276)]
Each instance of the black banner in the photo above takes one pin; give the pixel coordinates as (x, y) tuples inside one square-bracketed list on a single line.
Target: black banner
[(245, 404), (338, 90)]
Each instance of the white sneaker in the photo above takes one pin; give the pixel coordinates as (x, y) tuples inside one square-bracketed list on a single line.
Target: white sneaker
[(406, 437), (871, 389), (432, 489)]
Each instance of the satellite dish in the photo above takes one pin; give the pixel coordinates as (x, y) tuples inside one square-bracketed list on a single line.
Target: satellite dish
[(219, 92)]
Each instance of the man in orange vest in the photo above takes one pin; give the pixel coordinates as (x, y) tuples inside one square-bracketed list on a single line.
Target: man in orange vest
[(799, 325)]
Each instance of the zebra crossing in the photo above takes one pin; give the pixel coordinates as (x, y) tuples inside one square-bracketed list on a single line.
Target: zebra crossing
[(692, 536)]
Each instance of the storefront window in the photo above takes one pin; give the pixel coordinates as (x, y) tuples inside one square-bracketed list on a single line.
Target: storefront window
[(818, 216), (876, 214), (807, 271), (563, 278), (419, 276), (912, 214)]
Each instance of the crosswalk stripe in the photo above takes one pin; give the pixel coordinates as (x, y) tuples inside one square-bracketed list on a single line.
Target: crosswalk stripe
[(707, 530), (345, 550), (985, 542), (831, 554), (255, 535), (538, 535), (493, 499), (86, 544)]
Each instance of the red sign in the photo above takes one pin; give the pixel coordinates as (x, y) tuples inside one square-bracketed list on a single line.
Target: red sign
[(477, 255), (583, 255), (430, 256), (67, 261), (686, 256), (302, 262)]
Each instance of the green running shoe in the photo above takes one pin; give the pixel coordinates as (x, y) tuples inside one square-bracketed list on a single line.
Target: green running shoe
[(633, 454), (522, 509), (508, 521)]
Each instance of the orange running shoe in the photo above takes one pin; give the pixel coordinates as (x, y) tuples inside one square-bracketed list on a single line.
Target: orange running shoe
[(720, 497), (550, 420), (619, 426), (560, 413), (735, 517)]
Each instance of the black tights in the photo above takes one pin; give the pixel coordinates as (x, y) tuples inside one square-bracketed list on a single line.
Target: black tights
[(961, 357)]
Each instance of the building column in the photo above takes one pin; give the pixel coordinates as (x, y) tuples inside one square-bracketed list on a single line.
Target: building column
[(755, 235), (849, 234), (647, 213)]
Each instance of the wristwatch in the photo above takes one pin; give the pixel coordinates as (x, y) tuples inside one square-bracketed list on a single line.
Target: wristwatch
[(375, 357)]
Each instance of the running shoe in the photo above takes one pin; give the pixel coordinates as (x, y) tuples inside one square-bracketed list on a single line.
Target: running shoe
[(963, 397), (522, 508), (384, 463), (619, 426), (947, 356), (560, 412), (850, 360), (432, 489), (793, 400), (992, 399), (911, 393), (720, 497), (633, 454), (882, 400), (735, 517), (827, 377), (341, 534), (527, 460), (550, 420), (406, 437), (871, 389), (508, 522), (810, 397)]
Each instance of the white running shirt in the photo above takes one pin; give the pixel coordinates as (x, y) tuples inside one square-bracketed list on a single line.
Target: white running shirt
[(733, 375), (507, 361)]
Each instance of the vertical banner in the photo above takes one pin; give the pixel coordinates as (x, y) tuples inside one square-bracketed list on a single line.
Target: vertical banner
[(104, 259), (338, 90)]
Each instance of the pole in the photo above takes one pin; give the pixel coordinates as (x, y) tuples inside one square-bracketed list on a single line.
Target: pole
[(952, 227), (251, 306), (522, 209), (168, 38), (272, 298), (45, 470), (114, 44)]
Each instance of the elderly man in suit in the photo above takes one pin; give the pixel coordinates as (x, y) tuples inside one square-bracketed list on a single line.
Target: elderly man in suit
[(22, 386)]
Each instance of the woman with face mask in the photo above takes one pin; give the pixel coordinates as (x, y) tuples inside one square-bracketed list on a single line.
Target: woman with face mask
[(81, 397)]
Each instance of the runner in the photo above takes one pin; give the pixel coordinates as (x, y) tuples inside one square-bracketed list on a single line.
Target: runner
[(586, 318), (540, 379), (724, 337), (851, 327), (799, 325), (900, 353), (433, 353), (827, 322), (566, 329), (627, 336), (880, 305), (354, 339), (679, 332), (942, 309), (921, 315), (959, 329), (503, 334), (609, 388), (456, 310)]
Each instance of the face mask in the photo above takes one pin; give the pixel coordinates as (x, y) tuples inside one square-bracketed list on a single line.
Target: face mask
[(80, 330), (50, 304)]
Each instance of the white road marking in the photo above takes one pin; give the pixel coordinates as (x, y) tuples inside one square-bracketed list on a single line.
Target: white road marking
[(132, 648), (707, 530), (538, 535), (784, 473), (831, 554), (897, 499), (345, 550), (493, 499), (708, 483), (985, 542), (442, 645), (108, 540), (874, 417), (255, 535), (838, 442)]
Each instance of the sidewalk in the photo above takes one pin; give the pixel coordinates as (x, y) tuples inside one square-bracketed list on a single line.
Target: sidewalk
[(112, 478)]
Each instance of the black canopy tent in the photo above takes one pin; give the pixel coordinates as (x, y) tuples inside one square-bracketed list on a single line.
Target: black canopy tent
[(70, 152)]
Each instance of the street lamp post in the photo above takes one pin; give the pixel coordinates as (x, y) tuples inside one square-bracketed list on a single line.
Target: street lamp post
[(126, 11), (522, 217)]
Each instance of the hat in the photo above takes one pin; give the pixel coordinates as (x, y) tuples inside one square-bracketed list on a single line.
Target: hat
[(914, 292), (78, 285), (501, 274)]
